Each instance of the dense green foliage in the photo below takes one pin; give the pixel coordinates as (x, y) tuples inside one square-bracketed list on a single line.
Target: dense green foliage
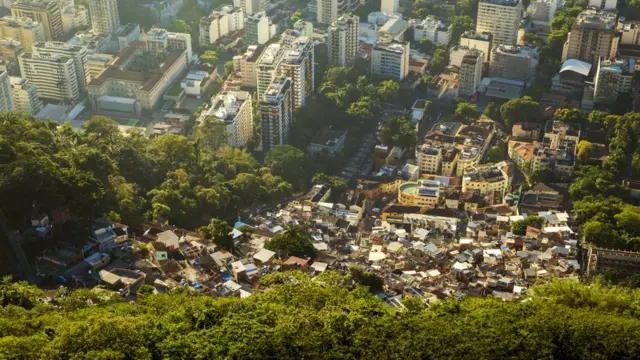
[(520, 227), (98, 172), (321, 320), (294, 241)]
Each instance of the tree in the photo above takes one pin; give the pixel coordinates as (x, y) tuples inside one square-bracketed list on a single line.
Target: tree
[(339, 185), (212, 134), (460, 24), (294, 241), (372, 281), (182, 27), (519, 110), (287, 162), (425, 46), (584, 150), (531, 38), (492, 111), (438, 60), (598, 116), (220, 232), (399, 131), (466, 111), (568, 115), (388, 90), (209, 57), (298, 15), (520, 227), (228, 68), (496, 154), (428, 105)]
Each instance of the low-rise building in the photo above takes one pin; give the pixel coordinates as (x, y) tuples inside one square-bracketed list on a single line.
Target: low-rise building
[(526, 130), (423, 193), (432, 29), (328, 142)]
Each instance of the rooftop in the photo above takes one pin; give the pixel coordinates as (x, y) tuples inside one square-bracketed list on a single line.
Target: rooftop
[(271, 55), (426, 188), (502, 2), (227, 105), (596, 19)]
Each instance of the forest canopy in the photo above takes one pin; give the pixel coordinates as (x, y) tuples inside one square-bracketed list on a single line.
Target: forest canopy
[(326, 318)]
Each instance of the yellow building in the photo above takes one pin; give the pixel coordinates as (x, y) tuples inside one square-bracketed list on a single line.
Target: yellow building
[(423, 193), (25, 30), (487, 178)]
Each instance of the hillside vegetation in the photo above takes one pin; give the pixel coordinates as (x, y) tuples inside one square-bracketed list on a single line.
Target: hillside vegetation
[(297, 318)]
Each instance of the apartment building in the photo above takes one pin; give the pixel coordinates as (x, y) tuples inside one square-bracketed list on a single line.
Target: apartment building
[(470, 73), (304, 27), (54, 75), (245, 65), (298, 65), (390, 59), (488, 178), (629, 31), (221, 22), (10, 49), (592, 36), (46, 12), (97, 63), (513, 62), (604, 4), (235, 109), (128, 34), (343, 40), (25, 30), (276, 113), (480, 41), (74, 17), (160, 40), (77, 53), (542, 10), (105, 18), (268, 67), (612, 78), (501, 18), (329, 11), (6, 97), (389, 6), (25, 95), (434, 30), (251, 6), (259, 29)]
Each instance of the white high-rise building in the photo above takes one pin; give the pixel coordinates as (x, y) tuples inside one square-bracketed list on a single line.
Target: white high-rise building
[(25, 95), (612, 78), (276, 113), (328, 11), (258, 29), (104, 16), (513, 62), (251, 6), (268, 67), (390, 59), (161, 40), (235, 109), (53, 75), (74, 17), (77, 53), (389, 6), (6, 98), (470, 73), (342, 40), (219, 23), (298, 65), (604, 4), (501, 18)]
